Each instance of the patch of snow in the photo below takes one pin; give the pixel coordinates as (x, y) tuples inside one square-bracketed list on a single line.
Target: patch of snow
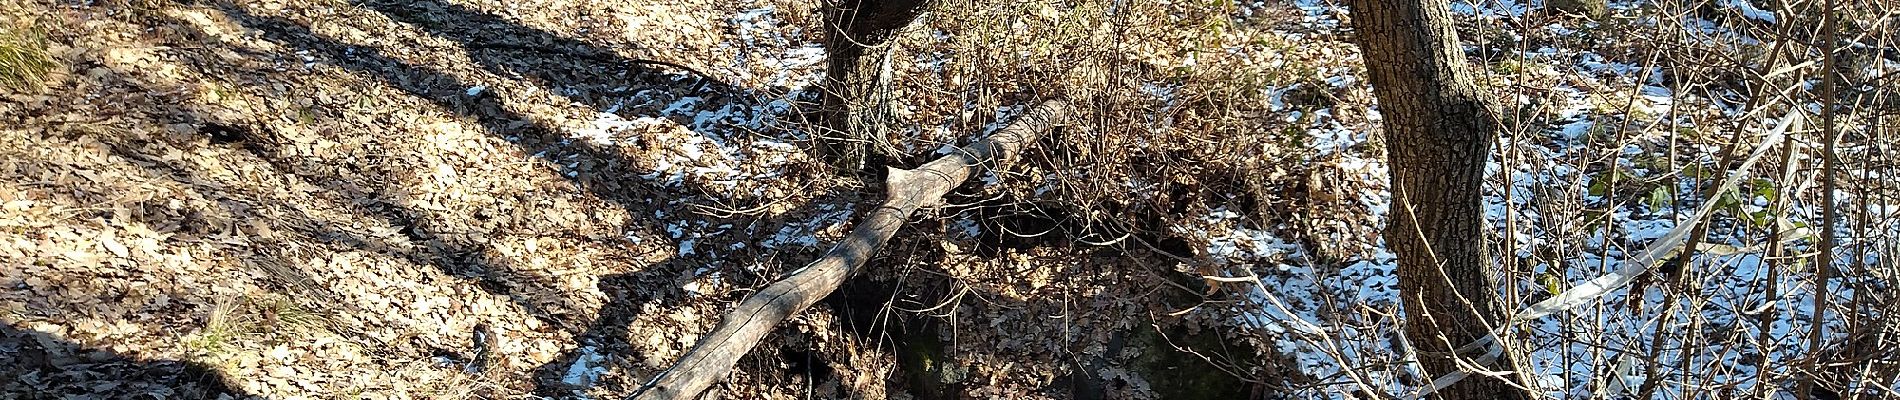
[(1489, 8), (1319, 14), (1559, 29), (1749, 10), (1276, 97), (586, 369), (804, 234), (968, 228), (706, 152), (1342, 81), (1165, 93), (1238, 244), (1332, 137), (766, 45)]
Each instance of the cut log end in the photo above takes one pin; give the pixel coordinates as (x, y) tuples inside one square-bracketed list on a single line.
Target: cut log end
[(894, 180)]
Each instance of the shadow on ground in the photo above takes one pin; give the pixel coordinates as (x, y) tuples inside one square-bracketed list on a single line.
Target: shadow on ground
[(38, 365), (554, 62), (551, 61)]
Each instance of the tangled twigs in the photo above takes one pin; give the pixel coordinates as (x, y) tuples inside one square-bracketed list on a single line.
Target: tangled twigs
[(907, 190)]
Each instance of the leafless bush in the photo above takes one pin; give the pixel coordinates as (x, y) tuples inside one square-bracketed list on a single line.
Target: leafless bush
[(1621, 124), (1734, 316), (1176, 123)]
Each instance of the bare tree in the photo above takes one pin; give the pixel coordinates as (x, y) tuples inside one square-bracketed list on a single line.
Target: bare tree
[(1439, 128), (858, 35)]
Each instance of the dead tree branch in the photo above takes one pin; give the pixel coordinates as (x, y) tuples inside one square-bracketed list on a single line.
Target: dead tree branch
[(907, 190)]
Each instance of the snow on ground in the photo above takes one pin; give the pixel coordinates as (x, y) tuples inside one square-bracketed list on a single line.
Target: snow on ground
[(1329, 316), (1319, 312), (1490, 9), (704, 151), (1749, 10), (1320, 14), (586, 369), (734, 145), (769, 50)]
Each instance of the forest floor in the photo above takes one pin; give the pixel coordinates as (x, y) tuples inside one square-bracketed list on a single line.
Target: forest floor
[(503, 199)]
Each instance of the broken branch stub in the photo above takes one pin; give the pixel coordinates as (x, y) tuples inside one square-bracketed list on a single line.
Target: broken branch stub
[(907, 190)]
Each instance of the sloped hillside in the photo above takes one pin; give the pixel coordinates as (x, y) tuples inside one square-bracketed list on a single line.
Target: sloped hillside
[(429, 199)]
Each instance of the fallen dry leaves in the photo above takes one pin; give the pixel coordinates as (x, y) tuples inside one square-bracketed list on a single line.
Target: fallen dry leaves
[(205, 190), (327, 199)]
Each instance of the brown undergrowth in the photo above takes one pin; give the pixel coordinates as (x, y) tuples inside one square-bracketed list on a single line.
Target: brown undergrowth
[(438, 199)]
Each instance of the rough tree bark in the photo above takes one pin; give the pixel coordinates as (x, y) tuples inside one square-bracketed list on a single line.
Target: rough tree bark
[(742, 328), (857, 103), (1439, 127)]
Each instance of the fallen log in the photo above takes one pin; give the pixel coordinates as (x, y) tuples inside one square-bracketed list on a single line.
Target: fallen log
[(906, 190)]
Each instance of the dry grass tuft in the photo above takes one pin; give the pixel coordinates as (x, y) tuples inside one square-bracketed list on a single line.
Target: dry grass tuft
[(222, 329), (24, 62), (233, 320)]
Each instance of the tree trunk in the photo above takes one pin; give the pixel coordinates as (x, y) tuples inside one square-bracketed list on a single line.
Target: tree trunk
[(857, 104), (1439, 128)]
